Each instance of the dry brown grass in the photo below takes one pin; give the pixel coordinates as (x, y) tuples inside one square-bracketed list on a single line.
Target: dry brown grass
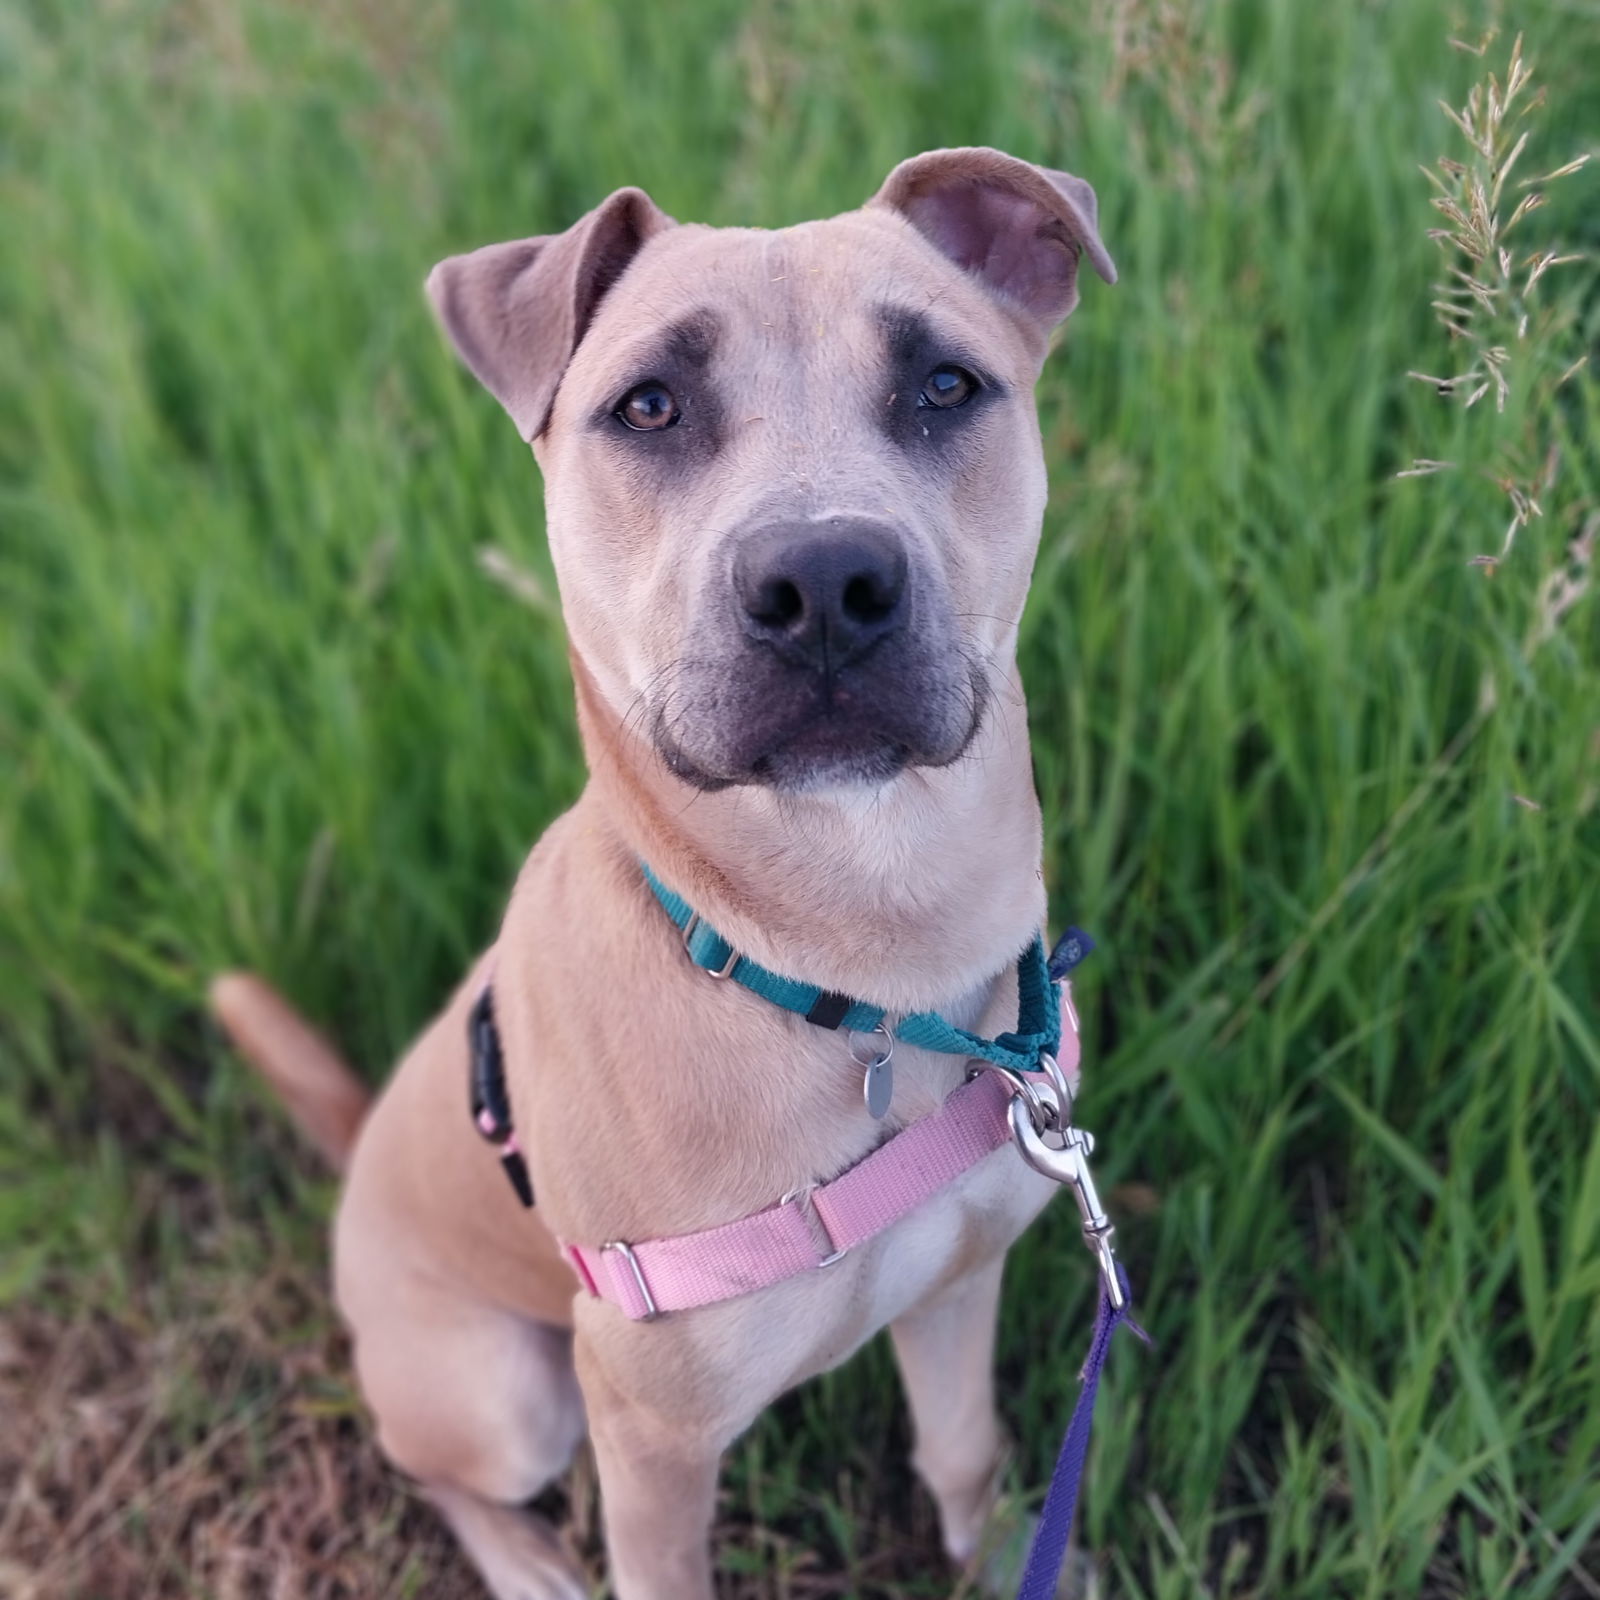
[(208, 1439), (220, 1456)]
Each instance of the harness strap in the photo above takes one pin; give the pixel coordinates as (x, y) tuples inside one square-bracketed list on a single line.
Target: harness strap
[(807, 1230), (708, 949), (1038, 1027), (491, 1106)]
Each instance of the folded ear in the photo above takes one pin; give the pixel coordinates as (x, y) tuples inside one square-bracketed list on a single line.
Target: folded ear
[(1018, 227), (516, 312)]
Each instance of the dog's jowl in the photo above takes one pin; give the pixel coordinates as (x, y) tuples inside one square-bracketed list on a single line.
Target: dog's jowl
[(794, 485)]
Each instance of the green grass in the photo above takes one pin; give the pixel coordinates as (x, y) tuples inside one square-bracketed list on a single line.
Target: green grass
[(260, 705)]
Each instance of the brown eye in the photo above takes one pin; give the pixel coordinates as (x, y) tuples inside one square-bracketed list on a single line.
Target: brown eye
[(948, 386), (648, 408)]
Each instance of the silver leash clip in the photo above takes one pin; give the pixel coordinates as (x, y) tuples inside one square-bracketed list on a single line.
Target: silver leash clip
[(1066, 1160)]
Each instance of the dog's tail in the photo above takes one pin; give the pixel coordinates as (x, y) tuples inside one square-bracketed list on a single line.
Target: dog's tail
[(325, 1099)]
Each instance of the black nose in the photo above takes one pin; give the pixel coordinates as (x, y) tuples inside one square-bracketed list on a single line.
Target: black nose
[(823, 594)]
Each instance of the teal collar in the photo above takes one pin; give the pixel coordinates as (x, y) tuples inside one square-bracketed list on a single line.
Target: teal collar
[(1038, 1030)]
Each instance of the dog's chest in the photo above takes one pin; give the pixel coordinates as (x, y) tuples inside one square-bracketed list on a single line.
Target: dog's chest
[(961, 1229), (764, 1343)]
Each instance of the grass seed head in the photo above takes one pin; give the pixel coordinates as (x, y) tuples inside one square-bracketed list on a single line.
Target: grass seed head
[(1511, 343)]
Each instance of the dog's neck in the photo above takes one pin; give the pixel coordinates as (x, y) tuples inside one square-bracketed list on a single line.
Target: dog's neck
[(916, 894)]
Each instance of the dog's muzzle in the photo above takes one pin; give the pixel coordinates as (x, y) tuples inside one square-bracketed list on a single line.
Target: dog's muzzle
[(839, 664)]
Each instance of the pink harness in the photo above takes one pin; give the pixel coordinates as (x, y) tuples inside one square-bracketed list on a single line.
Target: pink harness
[(815, 1226), (1003, 1101)]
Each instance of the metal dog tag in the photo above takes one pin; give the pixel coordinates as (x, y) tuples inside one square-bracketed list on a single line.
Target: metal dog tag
[(877, 1075), (877, 1087)]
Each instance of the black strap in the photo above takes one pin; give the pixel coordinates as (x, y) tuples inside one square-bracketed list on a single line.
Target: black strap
[(491, 1105)]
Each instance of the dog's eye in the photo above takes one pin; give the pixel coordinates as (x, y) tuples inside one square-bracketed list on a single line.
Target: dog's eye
[(648, 408), (948, 386)]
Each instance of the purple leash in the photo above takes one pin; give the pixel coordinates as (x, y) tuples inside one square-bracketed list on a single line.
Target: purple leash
[(1049, 1549)]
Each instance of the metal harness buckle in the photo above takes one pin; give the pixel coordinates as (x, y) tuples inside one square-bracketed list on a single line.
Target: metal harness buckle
[(820, 1237), (651, 1309), (1046, 1093), (727, 967)]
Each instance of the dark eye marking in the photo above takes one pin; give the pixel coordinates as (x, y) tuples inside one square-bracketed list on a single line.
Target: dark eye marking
[(666, 409), (648, 407), (935, 387)]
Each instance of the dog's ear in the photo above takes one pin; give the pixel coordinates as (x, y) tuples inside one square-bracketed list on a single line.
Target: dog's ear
[(1018, 227), (516, 312)]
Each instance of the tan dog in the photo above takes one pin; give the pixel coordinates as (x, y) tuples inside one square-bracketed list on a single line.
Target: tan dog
[(794, 485)]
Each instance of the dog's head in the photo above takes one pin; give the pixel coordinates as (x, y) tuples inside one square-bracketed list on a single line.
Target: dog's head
[(794, 479)]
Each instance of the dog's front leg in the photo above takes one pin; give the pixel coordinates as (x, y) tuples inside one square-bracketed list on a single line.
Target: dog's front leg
[(945, 1348), (658, 1481)]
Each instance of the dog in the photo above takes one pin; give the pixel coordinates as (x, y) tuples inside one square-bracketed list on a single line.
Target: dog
[(794, 483)]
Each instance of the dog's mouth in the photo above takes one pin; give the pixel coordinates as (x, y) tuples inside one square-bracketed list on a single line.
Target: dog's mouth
[(754, 728)]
